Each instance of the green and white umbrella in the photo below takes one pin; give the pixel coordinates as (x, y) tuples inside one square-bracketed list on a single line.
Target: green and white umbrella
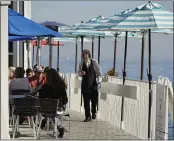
[(147, 16), (144, 18), (70, 39), (109, 22)]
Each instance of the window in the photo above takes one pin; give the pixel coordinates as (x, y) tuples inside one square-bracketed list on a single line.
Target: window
[(10, 47), (21, 7), (10, 60)]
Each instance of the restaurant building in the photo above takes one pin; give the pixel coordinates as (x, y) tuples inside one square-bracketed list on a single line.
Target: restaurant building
[(17, 49)]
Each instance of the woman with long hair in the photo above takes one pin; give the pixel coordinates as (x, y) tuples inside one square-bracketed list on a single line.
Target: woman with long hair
[(55, 88)]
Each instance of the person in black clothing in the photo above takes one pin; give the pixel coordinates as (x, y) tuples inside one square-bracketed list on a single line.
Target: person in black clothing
[(55, 88), (90, 71)]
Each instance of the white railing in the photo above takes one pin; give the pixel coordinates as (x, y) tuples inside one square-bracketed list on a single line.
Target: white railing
[(166, 82), (136, 96)]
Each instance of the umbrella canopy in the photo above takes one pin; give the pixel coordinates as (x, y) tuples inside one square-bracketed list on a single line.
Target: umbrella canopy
[(88, 25), (101, 23), (54, 23), (106, 23), (21, 26), (163, 31), (83, 29), (110, 34), (19, 38), (89, 33), (71, 40), (82, 32), (147, 16)]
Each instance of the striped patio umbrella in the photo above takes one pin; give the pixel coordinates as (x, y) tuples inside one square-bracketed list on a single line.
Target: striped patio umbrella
[(96, 22), (88, 25), (111, 21), (147, 17), (71, 39), (106, 23), (82, 33)]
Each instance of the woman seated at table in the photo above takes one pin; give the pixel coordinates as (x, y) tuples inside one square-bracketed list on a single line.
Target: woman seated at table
[(19, 83), (19, 87), (55, 88)]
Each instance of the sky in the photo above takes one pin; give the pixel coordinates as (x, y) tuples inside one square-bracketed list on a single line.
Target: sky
[(72, 12)]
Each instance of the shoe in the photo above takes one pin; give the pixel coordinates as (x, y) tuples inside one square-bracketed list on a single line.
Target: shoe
[(61, 132), (87, 119), (93, 116)]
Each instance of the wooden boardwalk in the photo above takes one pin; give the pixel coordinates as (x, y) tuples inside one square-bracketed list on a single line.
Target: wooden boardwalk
[(96, 129)]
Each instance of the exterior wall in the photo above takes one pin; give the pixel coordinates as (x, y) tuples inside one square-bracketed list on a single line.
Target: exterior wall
[(19, 52), (4, 97)]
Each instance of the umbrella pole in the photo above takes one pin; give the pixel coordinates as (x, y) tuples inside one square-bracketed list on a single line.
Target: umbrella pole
[(82, 37), (142, 59), (149, 75), (115, 52), (76, 51), (50, 52), (58, 51), (142, 55), (99, 49), (58, 54), (33, 56), (98, 58), (92, 47), (124, 78), (81, 59), (28, 56), (38, 52)]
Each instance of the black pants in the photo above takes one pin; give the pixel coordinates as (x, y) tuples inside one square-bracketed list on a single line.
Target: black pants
[(90, 95)]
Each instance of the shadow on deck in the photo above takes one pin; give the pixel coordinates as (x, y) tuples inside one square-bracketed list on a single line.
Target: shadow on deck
[(97, 129)]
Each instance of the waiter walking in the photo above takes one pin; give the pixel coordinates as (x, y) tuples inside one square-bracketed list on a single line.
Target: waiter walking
[(90, 71)]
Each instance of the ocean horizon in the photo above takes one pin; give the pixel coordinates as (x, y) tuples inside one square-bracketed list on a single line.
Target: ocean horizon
[(159, 67)]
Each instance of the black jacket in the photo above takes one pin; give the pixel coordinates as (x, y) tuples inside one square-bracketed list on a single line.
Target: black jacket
[(47, 92)]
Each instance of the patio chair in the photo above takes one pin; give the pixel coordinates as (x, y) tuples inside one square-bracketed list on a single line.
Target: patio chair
[(24, 107), (48, 110), (20, 93)]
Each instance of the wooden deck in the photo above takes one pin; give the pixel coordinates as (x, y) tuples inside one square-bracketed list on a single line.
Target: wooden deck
[(96, 129)]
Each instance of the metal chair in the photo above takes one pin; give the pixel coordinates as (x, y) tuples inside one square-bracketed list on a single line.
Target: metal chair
[(24, 107), (18, 93), (48, 110)]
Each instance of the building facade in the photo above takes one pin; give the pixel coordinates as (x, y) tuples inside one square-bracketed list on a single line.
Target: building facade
[(17, 49)]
